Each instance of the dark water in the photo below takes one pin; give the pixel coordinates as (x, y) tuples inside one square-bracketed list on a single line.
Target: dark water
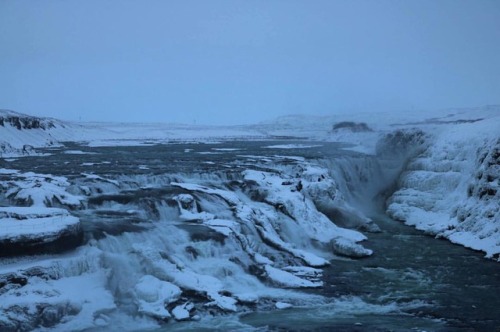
[(164, 158), (412, 282), (459, 284)]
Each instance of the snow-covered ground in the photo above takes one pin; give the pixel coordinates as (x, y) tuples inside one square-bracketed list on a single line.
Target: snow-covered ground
[(18, 137)]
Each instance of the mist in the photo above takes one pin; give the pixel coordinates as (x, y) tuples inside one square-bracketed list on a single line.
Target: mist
[(238, 62)]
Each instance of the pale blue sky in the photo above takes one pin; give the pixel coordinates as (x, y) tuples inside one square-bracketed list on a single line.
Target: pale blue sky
[(244, 61)]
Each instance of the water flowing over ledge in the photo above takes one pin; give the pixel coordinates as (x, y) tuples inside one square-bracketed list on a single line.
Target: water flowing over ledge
[(198, 232)]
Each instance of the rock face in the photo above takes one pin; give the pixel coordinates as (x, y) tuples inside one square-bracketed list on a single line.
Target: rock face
[(351, 126), (401, 143), (25, 122), (21, 133)]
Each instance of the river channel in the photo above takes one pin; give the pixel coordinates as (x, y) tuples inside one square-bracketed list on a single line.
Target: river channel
[(411, 282)]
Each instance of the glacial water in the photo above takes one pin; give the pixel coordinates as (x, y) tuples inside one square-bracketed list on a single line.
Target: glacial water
[(432, 285), (411, 282)]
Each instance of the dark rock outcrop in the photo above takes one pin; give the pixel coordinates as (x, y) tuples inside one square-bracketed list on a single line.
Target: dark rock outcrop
[(351, 126)]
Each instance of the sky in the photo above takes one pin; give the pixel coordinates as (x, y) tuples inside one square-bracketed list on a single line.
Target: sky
[(238, 62)]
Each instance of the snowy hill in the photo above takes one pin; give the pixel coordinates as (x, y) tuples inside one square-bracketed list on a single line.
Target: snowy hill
[(20, 133)]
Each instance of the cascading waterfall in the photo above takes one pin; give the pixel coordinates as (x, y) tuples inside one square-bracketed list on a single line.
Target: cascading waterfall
[(213, 243), (252, 234)]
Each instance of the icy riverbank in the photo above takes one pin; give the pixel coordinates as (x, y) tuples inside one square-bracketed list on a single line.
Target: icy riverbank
[(451, 188)]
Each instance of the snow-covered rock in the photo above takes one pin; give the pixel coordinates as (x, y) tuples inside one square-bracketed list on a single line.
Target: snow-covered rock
[(35, 229), (73, 303), (185, 278), (183, 311), (21, 133), (288, 279), (295, 201), (153, 295), (37, 189), (347, 247)]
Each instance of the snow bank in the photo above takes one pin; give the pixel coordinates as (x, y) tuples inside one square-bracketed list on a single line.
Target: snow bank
[(451, 189)]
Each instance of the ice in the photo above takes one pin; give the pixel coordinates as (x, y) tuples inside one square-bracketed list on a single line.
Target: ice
[(28, 227), (283, 305), (226, 149), (188, 209), (291, 200), (153, 295), (287, 279), (78, 152), (293, 146), (347, 247), (5, 171), (181, 312), (187, 279)]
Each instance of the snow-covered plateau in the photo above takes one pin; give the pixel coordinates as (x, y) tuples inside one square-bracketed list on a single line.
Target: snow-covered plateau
[(147, 226)]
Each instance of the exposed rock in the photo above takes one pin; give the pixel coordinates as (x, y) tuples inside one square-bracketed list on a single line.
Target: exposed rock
[(351, 126), (402, 142), (25, 122)]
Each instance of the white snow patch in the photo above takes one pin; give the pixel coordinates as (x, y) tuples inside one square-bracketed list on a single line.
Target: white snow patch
[(293, 146), (282, 305)]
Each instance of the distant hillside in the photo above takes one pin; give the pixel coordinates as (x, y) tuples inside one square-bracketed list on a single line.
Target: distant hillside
[(20, 133), (23, 121)]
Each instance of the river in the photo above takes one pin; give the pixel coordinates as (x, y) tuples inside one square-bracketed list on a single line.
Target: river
[(412, 281)]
